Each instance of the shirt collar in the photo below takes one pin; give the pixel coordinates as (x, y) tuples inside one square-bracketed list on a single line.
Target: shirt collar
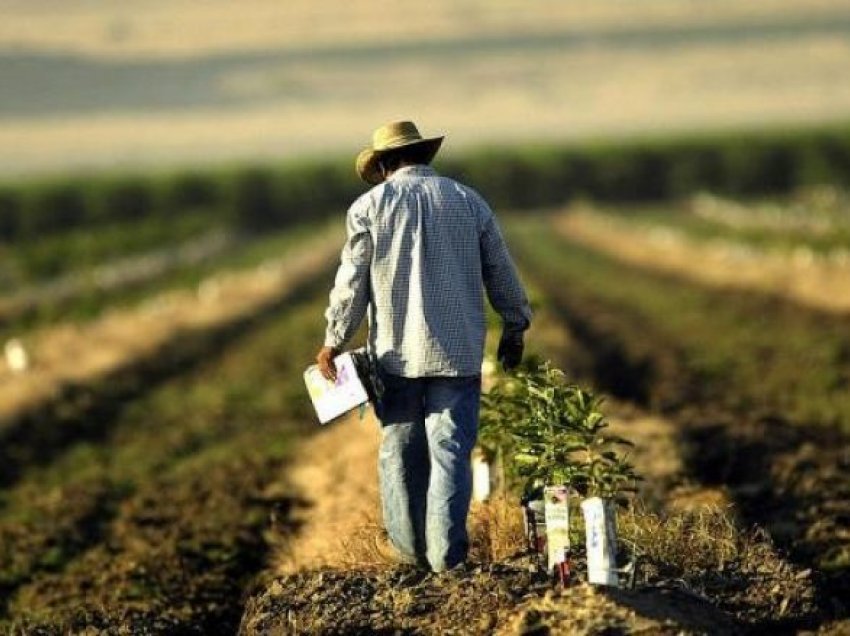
[(414, 171)]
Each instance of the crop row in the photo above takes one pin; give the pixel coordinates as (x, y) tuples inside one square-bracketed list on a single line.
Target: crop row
[(33, 260), (81, 296), (255, 197), (756, 383), (746, 353), (806, 221), (261, 197)]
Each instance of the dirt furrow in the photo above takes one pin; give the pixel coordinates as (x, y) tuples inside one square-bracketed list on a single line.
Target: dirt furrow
[(121, 357), (59, 525), (82, 354), (167, 563), (119, 275)]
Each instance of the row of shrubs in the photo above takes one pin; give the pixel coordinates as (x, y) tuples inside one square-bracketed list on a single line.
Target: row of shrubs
[(255, 198), (742, 165), (259, 198)]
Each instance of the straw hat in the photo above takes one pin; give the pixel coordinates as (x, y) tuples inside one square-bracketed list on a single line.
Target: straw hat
[(399, 134)]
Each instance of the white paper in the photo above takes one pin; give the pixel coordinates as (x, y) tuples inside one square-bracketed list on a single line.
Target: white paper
[(333, 398)]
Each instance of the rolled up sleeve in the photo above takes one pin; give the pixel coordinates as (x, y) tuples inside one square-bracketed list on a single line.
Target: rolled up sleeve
[(349, 298)]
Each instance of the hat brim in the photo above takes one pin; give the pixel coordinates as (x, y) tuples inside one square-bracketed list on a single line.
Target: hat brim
[(367, 161)]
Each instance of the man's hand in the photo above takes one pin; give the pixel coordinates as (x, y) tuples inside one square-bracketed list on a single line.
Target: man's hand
[(325, 360), (510, 350)]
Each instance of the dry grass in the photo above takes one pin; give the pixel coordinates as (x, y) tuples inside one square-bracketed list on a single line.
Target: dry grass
[(496, 529), (704, 538), (716, 570), (682, 544), (705, 552), (366, 547), (700, 539)]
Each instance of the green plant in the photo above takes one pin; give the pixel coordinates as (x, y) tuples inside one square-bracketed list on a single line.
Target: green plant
[(549, 431)]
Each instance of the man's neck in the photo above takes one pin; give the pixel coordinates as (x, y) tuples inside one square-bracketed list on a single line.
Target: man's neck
[(404, 165)]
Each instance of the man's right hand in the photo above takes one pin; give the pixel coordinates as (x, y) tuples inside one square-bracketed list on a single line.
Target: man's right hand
[(510, 350), (325, 360)]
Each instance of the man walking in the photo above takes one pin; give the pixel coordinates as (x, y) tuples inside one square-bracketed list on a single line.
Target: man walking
[(421, 252)]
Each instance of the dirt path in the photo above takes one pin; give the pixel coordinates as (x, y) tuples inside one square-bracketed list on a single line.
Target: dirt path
[(336, 473), (816, 283)]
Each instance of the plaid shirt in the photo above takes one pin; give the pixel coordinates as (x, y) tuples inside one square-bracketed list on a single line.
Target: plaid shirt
[(421, 251)]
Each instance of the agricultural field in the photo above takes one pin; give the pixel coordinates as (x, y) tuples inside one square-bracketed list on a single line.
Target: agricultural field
[(671, 176), (177, 482)]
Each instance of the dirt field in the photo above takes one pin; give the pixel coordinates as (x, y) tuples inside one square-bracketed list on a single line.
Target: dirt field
[(94, 86)]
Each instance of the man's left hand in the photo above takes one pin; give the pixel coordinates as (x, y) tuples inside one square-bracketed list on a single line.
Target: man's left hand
[(325, 360), (510, 350)]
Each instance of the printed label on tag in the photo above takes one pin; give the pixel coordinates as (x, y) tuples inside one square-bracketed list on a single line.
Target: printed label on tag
[(557, 514)]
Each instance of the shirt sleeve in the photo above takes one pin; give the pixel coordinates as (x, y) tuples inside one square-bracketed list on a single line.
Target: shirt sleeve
[(501, 281), (349, 298)]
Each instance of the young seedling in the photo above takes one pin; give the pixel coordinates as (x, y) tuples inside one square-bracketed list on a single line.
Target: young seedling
[(549, 432)]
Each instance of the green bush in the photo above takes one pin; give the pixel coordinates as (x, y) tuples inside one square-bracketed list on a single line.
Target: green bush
[(192, 190), (10, 214), (127, 199), (549, 431), (54, 209), (254, 206)]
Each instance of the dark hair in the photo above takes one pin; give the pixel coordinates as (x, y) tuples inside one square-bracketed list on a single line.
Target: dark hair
[(417, 154)]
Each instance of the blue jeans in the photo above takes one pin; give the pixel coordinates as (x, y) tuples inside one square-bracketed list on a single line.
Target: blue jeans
[(429, 427)]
